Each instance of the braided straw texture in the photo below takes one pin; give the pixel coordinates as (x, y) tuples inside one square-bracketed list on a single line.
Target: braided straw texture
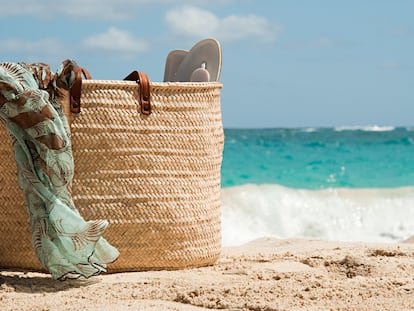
[(16, 249), (155, 178)]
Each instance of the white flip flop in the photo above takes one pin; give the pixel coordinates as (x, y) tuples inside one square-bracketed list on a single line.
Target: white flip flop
[(202, 62)]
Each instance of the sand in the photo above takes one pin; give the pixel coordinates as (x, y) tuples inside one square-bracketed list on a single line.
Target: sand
[(266, 274)]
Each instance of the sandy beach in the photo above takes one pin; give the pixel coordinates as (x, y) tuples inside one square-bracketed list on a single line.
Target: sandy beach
[(265, 274)]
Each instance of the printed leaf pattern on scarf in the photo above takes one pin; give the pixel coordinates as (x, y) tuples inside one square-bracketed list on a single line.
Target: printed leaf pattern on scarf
[(30, 106)]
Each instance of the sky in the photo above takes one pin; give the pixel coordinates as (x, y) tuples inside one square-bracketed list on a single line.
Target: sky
[(290, 63)]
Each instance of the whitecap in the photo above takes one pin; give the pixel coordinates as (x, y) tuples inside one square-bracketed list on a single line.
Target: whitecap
[(366, 215), (365, 128)]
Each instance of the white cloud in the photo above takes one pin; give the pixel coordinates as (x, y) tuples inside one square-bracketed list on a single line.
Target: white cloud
[(402, 31), (116, 40), (196, 22), (35, 50), (17, 45), (95, 9), (22, 7), (192, 21), (319, 43), (391, 65), (250, 26)]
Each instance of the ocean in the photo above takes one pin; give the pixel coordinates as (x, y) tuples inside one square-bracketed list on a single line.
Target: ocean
[(342, 183)]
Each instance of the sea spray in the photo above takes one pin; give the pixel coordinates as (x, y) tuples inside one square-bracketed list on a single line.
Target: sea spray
[(370, 214)]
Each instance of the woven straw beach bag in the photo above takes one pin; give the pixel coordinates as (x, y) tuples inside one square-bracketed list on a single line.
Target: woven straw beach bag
[(152, 168)]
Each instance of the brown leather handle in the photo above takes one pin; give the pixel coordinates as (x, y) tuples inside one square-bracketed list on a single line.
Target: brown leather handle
[(75, 91), (139, 77), (145, 90)]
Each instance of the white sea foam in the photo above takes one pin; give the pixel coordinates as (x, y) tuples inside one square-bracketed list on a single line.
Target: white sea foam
[(310, 129), (365, 128), (367, 215)]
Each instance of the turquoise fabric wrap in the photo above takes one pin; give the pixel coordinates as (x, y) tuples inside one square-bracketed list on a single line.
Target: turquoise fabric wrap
[(30, 106)]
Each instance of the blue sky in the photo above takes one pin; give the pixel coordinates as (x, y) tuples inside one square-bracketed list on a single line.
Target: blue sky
[(286, 63)]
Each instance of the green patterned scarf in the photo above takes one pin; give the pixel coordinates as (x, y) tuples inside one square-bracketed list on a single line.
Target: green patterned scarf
[(30, 105)]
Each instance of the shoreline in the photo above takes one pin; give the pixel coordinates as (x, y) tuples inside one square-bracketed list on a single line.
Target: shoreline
[(264, 274)]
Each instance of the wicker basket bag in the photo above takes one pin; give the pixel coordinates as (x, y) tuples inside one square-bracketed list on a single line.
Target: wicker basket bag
[(152, 168)]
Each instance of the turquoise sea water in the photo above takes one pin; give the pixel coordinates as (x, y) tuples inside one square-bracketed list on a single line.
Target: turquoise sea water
[(314, 158), (344, 183)]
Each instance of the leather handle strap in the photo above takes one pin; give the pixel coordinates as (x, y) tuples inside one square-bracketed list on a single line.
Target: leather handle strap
[(139, 77), (145, 90), (75, 91)]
